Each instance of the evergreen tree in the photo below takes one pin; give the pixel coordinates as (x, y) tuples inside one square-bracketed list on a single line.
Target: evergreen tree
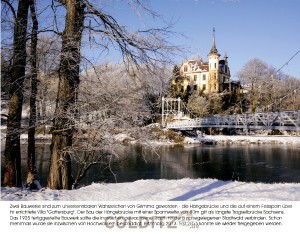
[(176, 84)]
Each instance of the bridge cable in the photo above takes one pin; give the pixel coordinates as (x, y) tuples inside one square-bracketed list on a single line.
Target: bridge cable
[(286, 63), (294, 91)]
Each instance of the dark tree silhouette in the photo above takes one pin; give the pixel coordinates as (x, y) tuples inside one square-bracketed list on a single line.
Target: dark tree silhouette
[(12, 173)]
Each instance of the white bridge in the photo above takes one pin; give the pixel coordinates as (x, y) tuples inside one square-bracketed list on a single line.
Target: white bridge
[(281, 120), (285, 120)]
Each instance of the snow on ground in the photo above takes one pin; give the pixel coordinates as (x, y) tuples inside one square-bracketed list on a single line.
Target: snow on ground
[(244, 139), (38, 136), (164, 190)]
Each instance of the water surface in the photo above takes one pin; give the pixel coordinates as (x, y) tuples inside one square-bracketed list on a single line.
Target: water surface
[(251, 163)]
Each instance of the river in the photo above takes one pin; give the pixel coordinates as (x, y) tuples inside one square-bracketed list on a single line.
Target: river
[(252, 163)]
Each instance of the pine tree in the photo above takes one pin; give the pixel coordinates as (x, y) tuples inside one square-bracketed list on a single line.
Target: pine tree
[(176, 84)]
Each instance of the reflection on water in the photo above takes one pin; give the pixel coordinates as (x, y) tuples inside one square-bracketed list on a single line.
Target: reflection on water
[(256, 163), (42, 160)]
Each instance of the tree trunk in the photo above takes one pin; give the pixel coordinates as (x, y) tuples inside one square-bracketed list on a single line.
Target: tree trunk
[(63, 126), (32, 174), (12, 174)]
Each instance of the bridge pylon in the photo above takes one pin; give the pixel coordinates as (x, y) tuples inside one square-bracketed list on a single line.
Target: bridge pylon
[(171, 107)]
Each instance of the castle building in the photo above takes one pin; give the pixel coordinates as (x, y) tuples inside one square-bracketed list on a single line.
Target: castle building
[(209, 77)]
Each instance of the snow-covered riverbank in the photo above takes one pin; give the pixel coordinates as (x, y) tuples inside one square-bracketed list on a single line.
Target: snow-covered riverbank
[(164, 190), (208, 139), (244, 139), (168, 137)]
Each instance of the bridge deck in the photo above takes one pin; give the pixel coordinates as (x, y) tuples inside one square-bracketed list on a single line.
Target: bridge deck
[(285, 120)]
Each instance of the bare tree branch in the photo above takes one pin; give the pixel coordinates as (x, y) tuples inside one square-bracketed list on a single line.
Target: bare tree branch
[(12, 9)]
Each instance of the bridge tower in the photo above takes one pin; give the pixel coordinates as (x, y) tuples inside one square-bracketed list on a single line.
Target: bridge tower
[(213, 60), (170, 108)]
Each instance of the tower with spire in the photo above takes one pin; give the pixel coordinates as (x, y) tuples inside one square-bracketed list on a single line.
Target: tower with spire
[(213, 61), (213, 49), (208, 77)]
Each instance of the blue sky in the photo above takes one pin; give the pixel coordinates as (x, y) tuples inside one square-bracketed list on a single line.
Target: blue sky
[(265, 29), (246, 29)]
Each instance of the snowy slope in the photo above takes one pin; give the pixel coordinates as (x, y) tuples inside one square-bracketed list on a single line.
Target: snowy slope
[(163, 190)]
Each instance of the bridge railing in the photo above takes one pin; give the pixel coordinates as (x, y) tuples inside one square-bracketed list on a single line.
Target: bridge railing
[(288, 119)]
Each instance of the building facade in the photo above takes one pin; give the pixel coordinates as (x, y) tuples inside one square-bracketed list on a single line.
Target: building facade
[(208, 77)]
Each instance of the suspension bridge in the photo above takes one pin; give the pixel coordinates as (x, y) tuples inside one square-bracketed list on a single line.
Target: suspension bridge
[(173, 117)]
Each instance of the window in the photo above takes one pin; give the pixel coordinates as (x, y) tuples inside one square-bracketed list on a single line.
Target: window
[(195, 87), (204, 87), (185, 68), (188, 88), (215, 65), (204, 77), (195, 77)]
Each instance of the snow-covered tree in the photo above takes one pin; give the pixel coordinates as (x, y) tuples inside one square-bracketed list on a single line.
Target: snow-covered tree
[(198, 105), (112, 108), (137, 48), (261, 82)]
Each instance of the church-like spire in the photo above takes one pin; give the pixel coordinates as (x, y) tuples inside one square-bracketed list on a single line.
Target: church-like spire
[(213, 49)]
